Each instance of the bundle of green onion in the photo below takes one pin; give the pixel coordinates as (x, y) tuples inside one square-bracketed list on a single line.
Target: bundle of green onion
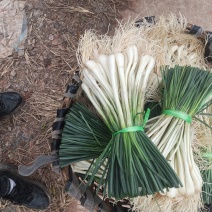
[(186, 92), (116, 86)]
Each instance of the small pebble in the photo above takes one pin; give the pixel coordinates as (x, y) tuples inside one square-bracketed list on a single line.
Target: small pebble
[(10, 155), (13, 73), (29, 42), (51, 37), (21, 52)]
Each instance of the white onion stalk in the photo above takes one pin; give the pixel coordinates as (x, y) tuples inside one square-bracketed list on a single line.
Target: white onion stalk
[(174, 139), (82, 167), (97, 75)]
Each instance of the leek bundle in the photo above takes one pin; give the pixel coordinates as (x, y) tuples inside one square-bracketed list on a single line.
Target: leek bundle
[(184, 89), (116, 86), (186, 92)]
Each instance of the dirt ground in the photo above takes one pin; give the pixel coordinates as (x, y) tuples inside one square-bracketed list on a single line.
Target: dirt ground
[(41, 74)]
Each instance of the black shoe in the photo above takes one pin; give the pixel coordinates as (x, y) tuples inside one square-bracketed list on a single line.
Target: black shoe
[(9, 102), (27, 193)]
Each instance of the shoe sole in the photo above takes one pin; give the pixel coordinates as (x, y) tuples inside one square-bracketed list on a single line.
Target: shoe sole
[(13, 169)]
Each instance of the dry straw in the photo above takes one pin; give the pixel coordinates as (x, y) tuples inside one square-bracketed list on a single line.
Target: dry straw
[(166, 41)]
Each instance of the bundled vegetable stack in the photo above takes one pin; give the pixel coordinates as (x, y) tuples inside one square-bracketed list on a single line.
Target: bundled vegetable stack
[(119, 146), (116, 85), (185, 93)]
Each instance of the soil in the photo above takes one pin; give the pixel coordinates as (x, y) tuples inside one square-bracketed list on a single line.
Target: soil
[(40, 74)]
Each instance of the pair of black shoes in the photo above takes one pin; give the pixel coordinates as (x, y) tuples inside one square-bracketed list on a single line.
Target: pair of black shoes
[(25, 192)]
